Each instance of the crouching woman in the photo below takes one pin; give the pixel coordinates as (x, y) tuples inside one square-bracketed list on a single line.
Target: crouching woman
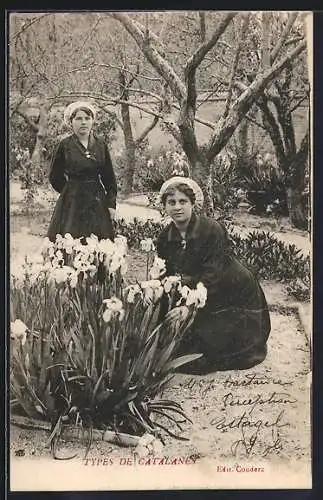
[(232, 329)]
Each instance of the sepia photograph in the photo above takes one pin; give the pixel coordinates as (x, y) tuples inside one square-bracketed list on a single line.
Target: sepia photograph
[(160, 211)]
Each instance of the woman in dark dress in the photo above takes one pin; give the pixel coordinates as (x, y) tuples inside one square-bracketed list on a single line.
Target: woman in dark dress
[(232, 329), (82, 173)]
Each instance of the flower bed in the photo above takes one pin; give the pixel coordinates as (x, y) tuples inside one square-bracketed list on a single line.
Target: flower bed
[(88, 349)]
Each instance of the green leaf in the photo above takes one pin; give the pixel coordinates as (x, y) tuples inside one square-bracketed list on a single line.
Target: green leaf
[(182, 360)]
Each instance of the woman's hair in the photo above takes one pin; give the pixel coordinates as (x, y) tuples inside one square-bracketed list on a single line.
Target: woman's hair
[(81, 108), (180, 186)]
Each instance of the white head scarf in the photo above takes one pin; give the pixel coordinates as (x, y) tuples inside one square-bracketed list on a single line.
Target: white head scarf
[(77, 105), (199, 197)]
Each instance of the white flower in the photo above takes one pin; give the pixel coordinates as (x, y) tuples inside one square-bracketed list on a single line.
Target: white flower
[(59, 255), (202, 295), (185, 290), (105, 248), (27, 362), (259, 160), (114, 306), (196, 297), (59, 241), (107, 315), (82, 263), (47, 246), (153, 290), (121, 243), (170, 282), (113, 303), (147, 245), (73, 279), (61, 274), (132, 291), (116, 262), (68, 243), (269, 158), (92, 243), (18, 330), (158, 268), (150, 163)]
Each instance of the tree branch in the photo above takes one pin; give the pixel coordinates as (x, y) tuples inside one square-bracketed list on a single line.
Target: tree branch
[(211, 93), (198, 56), (110, 113), (146, 131), (198, 119), (298, 103), (227, 126), (265, 45), (235, 64), (106, 65), (160, 44), (202, 26), (159, 62), (28, 120), (25, 27), (195, 60), (273, 130), (108, 99), (280, 42)]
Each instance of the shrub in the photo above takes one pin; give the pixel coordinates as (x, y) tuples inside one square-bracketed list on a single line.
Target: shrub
[(88, 348), (154, 167), (264, 184), (226, 184), (265, 255), (269, 258), (138, 230)]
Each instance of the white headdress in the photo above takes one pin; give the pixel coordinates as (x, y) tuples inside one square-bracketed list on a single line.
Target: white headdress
[(199, 197), (77, 105)]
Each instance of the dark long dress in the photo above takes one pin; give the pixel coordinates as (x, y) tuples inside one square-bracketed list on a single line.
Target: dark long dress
[(232, 329), (86, 182)]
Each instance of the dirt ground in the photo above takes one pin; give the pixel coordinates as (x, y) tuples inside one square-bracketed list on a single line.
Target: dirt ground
[(256, 416)]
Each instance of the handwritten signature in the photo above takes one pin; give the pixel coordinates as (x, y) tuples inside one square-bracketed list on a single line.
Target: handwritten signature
[(251, 379), (275, 398), (250, 431)]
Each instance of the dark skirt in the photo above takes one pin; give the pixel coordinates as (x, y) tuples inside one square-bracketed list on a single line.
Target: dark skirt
[(82, 210), (231, 331)]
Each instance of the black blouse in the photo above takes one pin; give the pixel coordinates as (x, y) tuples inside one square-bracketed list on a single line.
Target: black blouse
[(204, 255), (72, 161)]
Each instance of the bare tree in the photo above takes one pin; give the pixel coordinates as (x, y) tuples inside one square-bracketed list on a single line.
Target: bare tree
[(278, 105), (184, 90)]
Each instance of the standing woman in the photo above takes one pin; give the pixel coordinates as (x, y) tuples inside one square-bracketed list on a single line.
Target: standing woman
[(232, 329), (82, 173)]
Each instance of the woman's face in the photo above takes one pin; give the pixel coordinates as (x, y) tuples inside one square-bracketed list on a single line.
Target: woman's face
[(179, 207), (82, 123)]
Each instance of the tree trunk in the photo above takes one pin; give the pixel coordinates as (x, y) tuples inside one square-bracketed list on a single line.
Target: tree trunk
[(201, 173), (296, 184), (130, 146), (37, 154), (296, 209), (129, 173)]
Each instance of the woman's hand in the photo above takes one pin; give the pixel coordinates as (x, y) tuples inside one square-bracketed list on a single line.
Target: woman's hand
[(112, 213)]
